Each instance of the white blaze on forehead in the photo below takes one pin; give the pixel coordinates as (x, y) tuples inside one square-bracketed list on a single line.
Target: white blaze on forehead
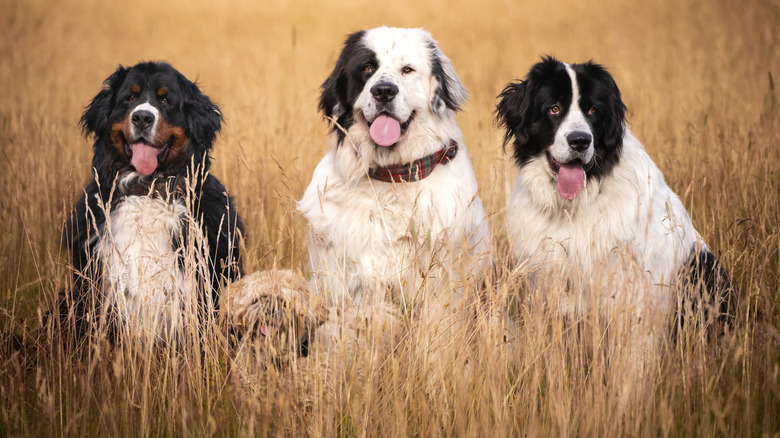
[(394, 49), (396, 46), (146, 106), (575, 89), (573, 121)]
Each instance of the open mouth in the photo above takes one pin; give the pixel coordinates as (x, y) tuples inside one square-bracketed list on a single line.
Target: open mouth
[(570, 177), (270, 321), (146, 157), (386, 130)]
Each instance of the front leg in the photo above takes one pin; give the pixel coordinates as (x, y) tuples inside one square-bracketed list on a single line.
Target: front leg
[(80, 236), (223, 229)]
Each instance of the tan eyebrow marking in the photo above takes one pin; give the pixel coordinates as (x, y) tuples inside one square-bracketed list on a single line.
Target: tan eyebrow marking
[(135, 88)]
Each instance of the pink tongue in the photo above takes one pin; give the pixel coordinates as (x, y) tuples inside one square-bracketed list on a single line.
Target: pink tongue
[(570, 179), (385, 131), (268, 330), (144, 158)]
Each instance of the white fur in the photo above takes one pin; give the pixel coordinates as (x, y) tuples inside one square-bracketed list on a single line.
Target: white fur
[(573, 121), (429, 131), (630, 229), (146, 106), (142, 277), (367, 236)]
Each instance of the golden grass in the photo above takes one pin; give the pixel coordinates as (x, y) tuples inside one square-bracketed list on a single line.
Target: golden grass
[(697, 77)]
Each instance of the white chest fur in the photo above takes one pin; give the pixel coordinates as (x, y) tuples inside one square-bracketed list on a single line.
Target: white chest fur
[(142, 276), (630, 233), (368, 236)]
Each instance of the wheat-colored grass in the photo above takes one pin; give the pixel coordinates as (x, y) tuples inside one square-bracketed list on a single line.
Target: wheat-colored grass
[(697, 77)]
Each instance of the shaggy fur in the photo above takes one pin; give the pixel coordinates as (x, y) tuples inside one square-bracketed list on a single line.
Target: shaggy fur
[(618, 236), (154, 232), (373, 241), (273, 314), (277, 319)]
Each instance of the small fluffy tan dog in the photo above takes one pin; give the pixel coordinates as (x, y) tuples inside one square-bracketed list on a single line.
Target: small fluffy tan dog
[(275, 319), (272, 314)]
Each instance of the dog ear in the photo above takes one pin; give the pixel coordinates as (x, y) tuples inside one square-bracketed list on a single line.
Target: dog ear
[(449, 92), (94, 120), (615, 121), (334, 91), (334, 100), (512, 112), (204, 118)]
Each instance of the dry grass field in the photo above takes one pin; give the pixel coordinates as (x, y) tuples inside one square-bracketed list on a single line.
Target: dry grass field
[(697, 76)]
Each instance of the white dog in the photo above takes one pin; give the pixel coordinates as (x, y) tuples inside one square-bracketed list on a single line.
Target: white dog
[(393, 210), (590, 213), (396, 227)]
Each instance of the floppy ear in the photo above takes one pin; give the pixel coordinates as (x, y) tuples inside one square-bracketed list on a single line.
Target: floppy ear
[(334, 91), (334, 100), (512, 112), (615, 121), (94, 120), (204, 119), (449, 91)]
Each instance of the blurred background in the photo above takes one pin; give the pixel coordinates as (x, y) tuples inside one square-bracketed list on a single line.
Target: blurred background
[(698, 77)]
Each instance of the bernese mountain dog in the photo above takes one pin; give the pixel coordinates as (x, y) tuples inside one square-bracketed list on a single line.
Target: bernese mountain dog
[(154, 235), (590, 213)]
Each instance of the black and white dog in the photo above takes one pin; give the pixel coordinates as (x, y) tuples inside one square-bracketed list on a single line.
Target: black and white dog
[(393, 205), (589, 209), (154, 232)]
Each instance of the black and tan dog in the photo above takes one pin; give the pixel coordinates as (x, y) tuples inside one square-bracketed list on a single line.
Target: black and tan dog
[(154, 233)]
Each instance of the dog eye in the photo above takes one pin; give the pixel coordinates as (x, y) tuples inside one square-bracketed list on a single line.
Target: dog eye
[(368, 68), (407, 70), (592, 111), (554, 110), (130, 98), (164, 100)]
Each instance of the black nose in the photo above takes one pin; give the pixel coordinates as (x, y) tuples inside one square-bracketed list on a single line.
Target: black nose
[(384, 91), (143, 119), (579, 140)]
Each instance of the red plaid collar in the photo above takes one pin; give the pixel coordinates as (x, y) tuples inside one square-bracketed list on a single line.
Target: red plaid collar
[(417, 169)]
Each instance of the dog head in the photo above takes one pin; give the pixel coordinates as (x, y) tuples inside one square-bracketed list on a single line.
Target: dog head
[(387, 80), (150, 119), (571, 116), (275, 312)]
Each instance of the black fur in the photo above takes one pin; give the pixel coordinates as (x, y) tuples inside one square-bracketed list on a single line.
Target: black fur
[(522, 112), (707, 284), (345, 83), (186, 107), (442, 96)]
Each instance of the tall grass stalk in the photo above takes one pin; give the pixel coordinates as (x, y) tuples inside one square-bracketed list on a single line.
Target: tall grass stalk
[(698, 81)]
